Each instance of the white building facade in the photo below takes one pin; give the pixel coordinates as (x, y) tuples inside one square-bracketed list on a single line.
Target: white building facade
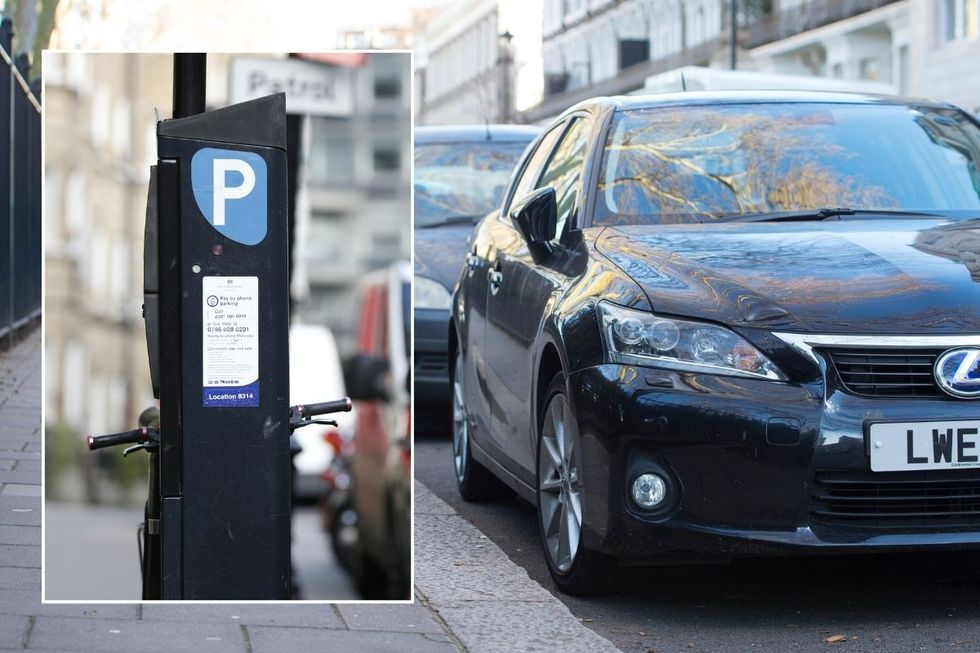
[(926, 48), (605, 47), (479, 62), (922, 48)]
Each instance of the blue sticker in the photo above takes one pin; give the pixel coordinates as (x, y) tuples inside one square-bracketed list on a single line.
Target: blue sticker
[(231, 190), (240, 396)]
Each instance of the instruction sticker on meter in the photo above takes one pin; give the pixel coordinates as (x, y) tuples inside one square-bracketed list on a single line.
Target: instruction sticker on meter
[(231, 341)]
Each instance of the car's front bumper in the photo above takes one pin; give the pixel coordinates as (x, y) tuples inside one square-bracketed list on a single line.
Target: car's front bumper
[(431, 364), (746, 460)]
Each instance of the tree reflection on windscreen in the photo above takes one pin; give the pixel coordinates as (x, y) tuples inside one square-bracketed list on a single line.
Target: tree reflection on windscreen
[(680, 164)]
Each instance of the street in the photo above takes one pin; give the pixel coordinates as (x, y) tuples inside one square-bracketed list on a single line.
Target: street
[(900, 602)]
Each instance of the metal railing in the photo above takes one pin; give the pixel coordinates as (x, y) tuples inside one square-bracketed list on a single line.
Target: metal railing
[(20, 191)]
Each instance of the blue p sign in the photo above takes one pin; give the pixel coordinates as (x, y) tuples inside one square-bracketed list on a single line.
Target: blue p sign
[(230, 190)]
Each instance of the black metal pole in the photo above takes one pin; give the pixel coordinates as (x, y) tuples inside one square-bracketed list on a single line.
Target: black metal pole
[(733, 45), (190, 77)]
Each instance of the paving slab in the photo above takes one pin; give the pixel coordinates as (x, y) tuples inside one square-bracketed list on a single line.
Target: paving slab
[(266, 639), (404, 618), (299, 615), (128, 635), (20, 578), (13, 629), (21, 555), (20, 535), (18, 454), (82, 611)]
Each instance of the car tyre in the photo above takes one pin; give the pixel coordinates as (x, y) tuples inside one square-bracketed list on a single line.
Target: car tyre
[(474, 481), (574, 568)]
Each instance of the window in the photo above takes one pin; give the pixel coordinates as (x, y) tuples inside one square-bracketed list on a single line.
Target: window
[(74, 382), (453, 180), (386, 158), (532, 170), (100, 116), (387, 87), (958, 20), (330, 159), (76, 205), (54, 190), (869, 68), (903, 69), (564, 170), (120, 126), (682, 165)]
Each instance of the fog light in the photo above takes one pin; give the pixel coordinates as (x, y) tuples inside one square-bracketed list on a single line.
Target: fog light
[(649, 490)]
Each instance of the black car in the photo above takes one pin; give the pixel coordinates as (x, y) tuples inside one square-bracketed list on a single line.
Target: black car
[(729, 324), (460, 176)]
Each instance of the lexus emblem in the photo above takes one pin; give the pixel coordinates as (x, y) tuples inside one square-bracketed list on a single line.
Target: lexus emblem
[(957, 372)]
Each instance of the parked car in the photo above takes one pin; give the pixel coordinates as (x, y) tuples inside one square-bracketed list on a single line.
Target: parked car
[(729, 323), (460, 175), (378, 380), (315, 372)]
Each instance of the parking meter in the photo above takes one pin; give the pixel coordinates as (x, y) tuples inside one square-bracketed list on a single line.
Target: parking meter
[(216, 311)]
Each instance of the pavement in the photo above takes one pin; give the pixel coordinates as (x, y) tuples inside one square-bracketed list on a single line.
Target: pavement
[(90, 554), (469, 595)]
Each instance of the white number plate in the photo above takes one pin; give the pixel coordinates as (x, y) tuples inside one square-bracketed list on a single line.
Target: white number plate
[(903, 446)]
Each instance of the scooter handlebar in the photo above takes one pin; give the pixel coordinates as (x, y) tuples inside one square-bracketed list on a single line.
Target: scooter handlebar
[(135, 436), (311, 410)]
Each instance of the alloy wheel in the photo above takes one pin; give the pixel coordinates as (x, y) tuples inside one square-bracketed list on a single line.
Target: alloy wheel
[(559, 487), (460, 427)]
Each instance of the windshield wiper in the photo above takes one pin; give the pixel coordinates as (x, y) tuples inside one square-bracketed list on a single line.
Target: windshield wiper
[(452, 219), (824, 214)]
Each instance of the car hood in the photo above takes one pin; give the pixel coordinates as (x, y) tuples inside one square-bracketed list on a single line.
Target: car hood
[(860, 276), (441, 251)]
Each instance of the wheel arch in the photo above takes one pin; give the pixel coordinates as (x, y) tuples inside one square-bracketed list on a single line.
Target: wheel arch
[(551, 360)]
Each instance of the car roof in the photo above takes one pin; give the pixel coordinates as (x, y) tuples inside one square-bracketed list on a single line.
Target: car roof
[(701, 98), (477, 133)]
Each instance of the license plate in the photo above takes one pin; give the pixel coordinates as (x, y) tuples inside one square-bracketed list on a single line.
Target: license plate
[(905, 446)]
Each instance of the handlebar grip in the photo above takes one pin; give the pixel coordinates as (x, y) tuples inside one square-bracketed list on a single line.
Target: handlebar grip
[(339, 406), (126, 437)]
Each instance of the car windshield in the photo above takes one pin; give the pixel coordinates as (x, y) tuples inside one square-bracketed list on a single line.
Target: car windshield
[(685, 164), (461, 181)]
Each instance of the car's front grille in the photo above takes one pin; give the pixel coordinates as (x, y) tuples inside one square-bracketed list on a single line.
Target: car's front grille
[(897, 500), (887, 372)]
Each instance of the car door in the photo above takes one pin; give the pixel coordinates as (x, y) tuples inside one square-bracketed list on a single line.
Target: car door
[(519, 291), (474, 285)]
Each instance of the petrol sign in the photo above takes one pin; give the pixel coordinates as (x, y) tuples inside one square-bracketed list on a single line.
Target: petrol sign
[(310, 88)]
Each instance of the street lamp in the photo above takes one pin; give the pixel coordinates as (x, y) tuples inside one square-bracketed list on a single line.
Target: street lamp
[(505, 62)]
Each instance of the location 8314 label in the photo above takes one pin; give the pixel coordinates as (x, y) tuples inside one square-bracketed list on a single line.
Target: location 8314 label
[(231, 341)]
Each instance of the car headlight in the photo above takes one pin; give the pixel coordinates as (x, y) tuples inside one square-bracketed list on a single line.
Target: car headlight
[(431, 294), (642, 338)]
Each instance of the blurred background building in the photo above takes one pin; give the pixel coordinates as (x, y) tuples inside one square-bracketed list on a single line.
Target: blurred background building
[(925, 48), (352, 217), (478, 61)]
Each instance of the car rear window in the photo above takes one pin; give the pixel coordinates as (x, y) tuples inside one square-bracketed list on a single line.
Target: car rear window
[(461, 180)]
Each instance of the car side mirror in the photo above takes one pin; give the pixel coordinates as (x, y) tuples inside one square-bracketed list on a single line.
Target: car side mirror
[(367, 378), (536, 215)]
